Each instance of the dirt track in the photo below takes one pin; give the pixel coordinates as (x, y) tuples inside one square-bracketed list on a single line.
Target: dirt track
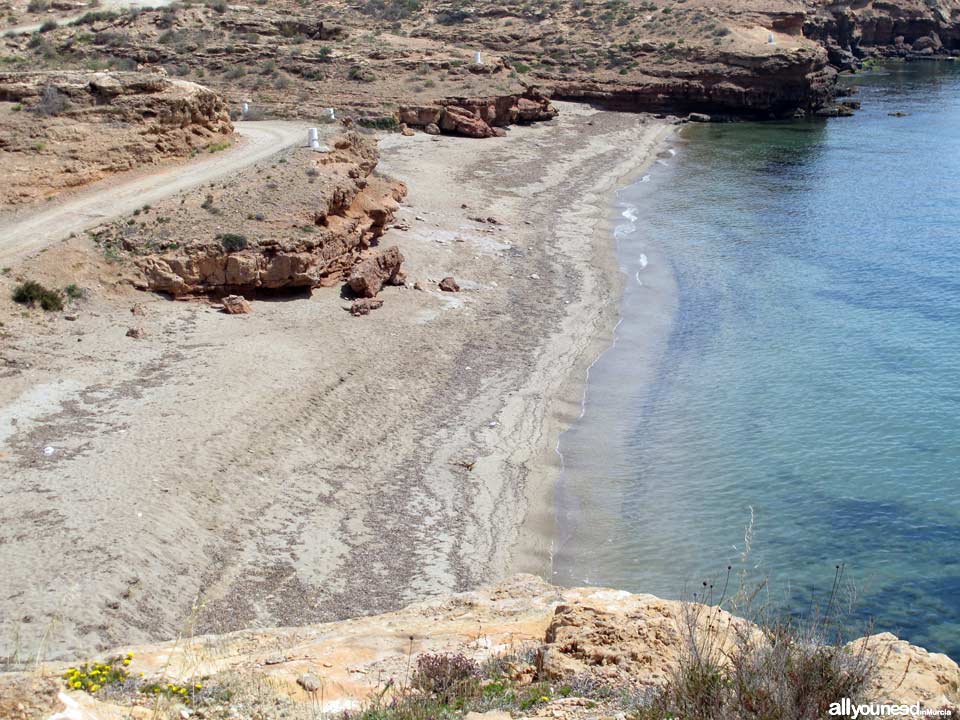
[(28, 231)]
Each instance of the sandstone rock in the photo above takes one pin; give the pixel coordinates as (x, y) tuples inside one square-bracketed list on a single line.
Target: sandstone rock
[(596, 635), (931, 42), (448, 284), (137, 333), (370, 275), (114, 122), (364, 306), (478, 117), (236, 305), (907, 673), (353, 208), (406, 131)]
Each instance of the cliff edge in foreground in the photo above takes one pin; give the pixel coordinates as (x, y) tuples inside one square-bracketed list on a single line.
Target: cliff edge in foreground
[(581, 639)]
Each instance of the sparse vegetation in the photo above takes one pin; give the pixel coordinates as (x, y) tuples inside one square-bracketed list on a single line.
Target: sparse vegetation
[(232, 242), (33, 293)]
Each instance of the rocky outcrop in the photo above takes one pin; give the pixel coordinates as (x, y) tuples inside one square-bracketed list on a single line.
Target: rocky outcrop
[(72, 128), (350, 207), (592, 635), (478, 117), (900, 28), (772, 83)]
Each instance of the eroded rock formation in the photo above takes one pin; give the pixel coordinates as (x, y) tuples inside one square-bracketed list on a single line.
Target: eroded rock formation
[(348, 209), (901, 28), (67, 129), (478, 117)]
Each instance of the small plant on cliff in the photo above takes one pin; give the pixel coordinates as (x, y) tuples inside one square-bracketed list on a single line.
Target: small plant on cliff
[(33, 293), (447, 676), (91, 677), (232, 242)]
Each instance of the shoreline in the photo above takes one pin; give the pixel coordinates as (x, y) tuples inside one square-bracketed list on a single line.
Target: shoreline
[(568, 404)]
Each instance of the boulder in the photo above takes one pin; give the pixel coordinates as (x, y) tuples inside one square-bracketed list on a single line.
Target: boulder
[(448, 284), (236, 305), (137, 333), (370, 275)]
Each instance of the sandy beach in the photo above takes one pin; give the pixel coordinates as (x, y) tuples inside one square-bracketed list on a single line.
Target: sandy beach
[(299, 465)]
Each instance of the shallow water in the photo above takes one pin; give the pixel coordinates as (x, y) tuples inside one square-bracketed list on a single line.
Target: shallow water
[(790, 348)]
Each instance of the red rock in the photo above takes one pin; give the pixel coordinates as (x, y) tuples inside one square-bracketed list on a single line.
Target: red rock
[(236, 305), (370, 275), (365, 306), (448, 284)]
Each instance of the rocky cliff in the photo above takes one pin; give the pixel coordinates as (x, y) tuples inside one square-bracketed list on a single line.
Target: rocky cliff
[(905, 28), (236, 239), (65, 129), (581, 639)]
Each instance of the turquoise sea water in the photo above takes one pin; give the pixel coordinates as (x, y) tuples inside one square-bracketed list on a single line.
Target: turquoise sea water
[(790, 348)]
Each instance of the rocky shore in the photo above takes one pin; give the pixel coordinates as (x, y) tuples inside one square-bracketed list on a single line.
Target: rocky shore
[(578, 638)]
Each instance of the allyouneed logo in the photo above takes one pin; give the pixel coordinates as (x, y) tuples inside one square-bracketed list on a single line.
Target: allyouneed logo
[(847, 708)]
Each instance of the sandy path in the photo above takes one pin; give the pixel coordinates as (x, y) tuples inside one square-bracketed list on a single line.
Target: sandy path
[(30, 230), (297, 464), (67, 19)]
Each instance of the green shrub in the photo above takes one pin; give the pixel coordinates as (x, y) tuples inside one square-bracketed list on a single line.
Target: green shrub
[(232, 242), (74, 291), (33, 293)]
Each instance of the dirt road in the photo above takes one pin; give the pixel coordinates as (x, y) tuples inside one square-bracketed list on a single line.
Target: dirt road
[(29, 231), (67, 19)]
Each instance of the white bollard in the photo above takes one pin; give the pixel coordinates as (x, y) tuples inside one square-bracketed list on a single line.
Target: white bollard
[(245, 109), (770, 38), (329, 114), (478, 58), (313, 141)]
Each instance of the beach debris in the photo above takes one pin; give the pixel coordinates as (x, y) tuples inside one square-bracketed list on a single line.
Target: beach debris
[(448, 284), (236, 305), (49, 450), (137, 333), (365, 306), (370, 275), (309, 682)]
